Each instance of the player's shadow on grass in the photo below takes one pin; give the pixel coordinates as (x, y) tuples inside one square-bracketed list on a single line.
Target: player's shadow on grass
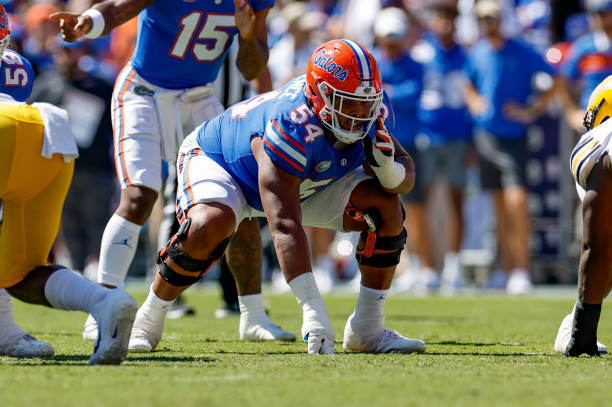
[(495, 354), (456, 343), (82, 360)]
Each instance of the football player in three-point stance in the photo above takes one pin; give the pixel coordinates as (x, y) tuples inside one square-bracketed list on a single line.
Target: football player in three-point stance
[(163, 93), (37, 155), (297, 155), (592, 170)]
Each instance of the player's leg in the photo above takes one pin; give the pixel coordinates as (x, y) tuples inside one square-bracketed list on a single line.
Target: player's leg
[(244, 257), (378, 255), (229, 292), (214, 204), (35, 221), (14, 341), (200, 241), (136, 146), (595, 271)]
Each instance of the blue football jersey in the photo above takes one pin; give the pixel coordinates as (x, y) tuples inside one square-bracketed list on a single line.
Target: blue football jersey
[(16, 76), (293, 138), (182, 43)]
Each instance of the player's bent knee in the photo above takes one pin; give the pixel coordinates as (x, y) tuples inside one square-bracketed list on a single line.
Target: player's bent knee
[(380, 251), (180, 269)]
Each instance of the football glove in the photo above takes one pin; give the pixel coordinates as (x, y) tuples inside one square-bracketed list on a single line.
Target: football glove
[(320, 344), (381, 157)]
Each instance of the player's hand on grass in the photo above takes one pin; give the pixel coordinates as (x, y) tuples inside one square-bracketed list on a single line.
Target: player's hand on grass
[(320, 344)]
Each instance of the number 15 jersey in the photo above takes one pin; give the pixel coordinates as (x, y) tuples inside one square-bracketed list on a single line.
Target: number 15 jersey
[(182, 43)]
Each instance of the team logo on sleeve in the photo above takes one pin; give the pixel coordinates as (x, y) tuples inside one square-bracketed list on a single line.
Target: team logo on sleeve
[(323, 166)]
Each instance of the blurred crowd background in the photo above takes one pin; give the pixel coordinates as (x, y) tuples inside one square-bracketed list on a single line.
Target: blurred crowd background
[(431, 54)]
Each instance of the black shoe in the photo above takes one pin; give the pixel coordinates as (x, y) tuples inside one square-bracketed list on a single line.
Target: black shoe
[(179, 309), (228, 310)]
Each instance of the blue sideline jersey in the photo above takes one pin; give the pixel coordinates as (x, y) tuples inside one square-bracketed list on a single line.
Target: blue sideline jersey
[(182, 44), (590, 62), (442, 111), (293, 138), (403, 79), (16, 76), (501, 76)]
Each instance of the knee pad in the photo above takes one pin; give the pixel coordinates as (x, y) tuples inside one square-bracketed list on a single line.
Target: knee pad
[(193, 269), (395, 244)]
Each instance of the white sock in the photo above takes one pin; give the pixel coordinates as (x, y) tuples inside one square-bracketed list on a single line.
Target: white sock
[(117, 250), (151, 314), (68, 290), (10, 332), (307, 295), (252, 307), (369, 315)]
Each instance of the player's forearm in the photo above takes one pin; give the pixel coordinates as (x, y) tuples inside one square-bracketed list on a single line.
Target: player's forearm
[(251, 58), (117, 12), (291, 246)]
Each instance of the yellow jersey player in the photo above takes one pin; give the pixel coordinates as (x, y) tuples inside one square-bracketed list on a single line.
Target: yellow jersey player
[(37, 155), (590, 165)]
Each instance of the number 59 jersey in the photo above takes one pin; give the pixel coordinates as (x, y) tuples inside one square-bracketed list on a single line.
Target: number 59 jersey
[(293, 137), (16, 76), (182, 43)]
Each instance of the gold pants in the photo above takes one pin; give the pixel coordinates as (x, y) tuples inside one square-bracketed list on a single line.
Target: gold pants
[(32, 190)]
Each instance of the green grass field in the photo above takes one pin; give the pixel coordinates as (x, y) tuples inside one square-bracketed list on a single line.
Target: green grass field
[(481, 351)]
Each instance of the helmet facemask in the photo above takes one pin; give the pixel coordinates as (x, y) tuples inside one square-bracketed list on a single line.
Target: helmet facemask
[(345, 127)]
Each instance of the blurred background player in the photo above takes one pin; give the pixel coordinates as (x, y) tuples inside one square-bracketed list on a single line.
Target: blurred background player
[(36, 165), (500, 73), (446, 128), (180, 49)]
